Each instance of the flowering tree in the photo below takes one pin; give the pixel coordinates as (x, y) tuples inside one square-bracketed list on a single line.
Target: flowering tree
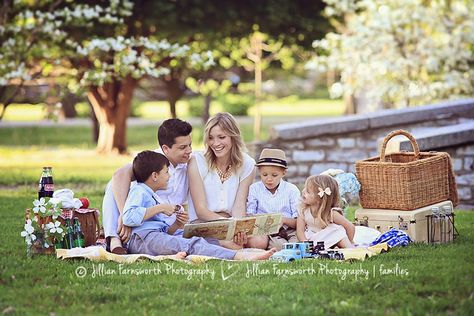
[(95, 47), (399, 53)]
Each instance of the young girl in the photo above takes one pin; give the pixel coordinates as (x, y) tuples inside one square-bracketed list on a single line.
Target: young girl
[(318, 219)]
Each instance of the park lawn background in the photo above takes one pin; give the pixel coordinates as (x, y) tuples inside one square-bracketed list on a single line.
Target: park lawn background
[(439, 281), (272, 109)]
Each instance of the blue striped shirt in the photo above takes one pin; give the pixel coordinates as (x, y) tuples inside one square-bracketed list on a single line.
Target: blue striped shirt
[(284, 201)]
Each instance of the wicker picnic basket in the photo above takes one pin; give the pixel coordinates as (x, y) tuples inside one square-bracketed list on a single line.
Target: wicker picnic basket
[(406, 180), (89, 220)]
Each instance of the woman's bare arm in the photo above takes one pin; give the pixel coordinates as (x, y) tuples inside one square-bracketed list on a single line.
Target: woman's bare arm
[(196, 188), (240, 203)]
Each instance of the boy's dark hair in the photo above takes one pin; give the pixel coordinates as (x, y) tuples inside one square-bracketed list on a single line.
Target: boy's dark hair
[(172, 128), (147, 162)]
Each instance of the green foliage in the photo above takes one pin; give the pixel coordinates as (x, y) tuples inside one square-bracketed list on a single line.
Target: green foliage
[(236, 104), (209, 86), (395, 53), (196, 106)]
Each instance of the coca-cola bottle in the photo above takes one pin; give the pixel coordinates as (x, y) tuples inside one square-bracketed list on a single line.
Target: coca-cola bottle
[(46, 185)]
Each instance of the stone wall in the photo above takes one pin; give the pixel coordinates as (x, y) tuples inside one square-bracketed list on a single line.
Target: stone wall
[(316, 145)]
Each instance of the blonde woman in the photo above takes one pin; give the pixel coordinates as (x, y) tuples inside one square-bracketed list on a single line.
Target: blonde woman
[(220, 177)]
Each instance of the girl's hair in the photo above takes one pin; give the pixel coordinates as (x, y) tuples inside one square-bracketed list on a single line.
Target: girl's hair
[(229, 125), (322, 209)]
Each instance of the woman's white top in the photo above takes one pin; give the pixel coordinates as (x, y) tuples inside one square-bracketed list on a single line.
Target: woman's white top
[(220, 197)]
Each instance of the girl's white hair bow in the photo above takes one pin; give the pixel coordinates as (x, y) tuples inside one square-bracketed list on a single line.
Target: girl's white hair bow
[(326, 191)]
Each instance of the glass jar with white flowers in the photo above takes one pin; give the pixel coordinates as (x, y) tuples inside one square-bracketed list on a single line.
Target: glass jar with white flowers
[(43, 232)]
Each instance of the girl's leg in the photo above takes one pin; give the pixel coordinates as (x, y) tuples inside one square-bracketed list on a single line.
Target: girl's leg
[(345, 243)]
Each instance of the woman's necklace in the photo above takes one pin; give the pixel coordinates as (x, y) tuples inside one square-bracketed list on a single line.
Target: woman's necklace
[(224, 175)]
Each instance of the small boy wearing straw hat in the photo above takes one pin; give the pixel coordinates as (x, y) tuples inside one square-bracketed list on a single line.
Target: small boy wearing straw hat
[(274, 195)]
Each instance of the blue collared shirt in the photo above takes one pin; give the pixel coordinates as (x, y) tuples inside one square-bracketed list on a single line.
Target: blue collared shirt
[(139, 199)]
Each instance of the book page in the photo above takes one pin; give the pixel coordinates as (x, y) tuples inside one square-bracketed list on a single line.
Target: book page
[(257, 225), (245, 225), (214, 229), (267, 224)]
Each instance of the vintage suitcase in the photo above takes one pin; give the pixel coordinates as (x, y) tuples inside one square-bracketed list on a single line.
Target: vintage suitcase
[(420, 224)]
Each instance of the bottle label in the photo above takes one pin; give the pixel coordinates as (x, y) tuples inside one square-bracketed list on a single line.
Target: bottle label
[(49, 187)]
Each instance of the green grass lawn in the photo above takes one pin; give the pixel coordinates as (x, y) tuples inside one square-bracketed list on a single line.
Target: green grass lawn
[(416, 280), (291, 106)]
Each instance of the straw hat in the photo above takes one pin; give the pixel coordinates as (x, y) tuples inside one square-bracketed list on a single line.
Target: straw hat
[(272, 157)]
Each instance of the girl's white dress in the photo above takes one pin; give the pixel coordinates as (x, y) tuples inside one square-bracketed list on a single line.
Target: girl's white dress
[(330, 235)]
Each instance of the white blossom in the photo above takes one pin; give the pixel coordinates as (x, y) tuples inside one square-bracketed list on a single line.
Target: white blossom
[(400, 51), (55, 228), (28, 232), (39, 206)]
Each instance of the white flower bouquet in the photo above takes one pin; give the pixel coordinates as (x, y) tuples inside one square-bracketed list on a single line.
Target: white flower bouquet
[(43, 230)]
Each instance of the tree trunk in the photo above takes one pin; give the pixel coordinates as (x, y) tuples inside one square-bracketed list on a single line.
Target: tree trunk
[(174, 90), (95, 124), (207, 105), (8, 95), (111, 104), (68, 109), (258, 92), (351, 104)]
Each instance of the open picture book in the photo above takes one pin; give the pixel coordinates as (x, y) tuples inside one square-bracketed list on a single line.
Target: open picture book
[(225, 229)]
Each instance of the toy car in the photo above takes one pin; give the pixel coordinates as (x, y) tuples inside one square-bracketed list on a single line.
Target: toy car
[(293, 251), (319, 252), (299, 250)]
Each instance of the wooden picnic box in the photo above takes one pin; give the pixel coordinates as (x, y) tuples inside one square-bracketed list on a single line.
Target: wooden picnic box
[(420, 224)]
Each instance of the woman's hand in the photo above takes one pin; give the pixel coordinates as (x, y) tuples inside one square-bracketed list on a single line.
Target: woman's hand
[(240, 239)]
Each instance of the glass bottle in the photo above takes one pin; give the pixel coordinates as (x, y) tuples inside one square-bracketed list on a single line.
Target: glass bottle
[(78, 234), (69, 234), (46, 185)]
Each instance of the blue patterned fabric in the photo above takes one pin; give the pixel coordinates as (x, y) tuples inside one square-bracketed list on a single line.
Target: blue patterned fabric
[(348, 184), (393, 238), (349, 188)]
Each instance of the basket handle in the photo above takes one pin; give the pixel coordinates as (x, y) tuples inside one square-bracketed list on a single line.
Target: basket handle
[(410, 137)]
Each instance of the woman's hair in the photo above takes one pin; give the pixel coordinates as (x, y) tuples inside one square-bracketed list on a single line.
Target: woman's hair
[(228, 124), (315, 185)]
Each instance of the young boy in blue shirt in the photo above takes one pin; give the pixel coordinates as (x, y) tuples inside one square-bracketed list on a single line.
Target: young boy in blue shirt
[(150, 234)]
